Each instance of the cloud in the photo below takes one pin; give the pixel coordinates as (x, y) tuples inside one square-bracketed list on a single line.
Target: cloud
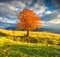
[(1, 20), (58, 15), (48, 12), (56, 20), (50, 17), (27, 1), (11, 7), (10, 10), (6, 20), (53, 23), (40, 10), (56, 4)]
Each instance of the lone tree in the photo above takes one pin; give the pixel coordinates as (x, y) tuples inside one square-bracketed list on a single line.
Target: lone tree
[(28, 20)]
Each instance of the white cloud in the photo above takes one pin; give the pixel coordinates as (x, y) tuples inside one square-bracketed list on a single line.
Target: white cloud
[(55, 20), (11, 8), (52, 22), (22, 5), (36, 5), (40, 10), (1, 19), (44, 23), (48, 12), (58, 15), (6, 20)]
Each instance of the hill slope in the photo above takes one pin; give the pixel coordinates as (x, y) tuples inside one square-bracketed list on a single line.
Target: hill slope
[(21, 46)]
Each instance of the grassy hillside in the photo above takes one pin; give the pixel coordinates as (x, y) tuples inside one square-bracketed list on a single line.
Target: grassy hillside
[(34, 37), (38, 44)]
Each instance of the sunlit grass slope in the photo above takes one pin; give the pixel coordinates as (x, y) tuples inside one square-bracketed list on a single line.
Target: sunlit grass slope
[(38, 44), (10, 48), (34, 37)]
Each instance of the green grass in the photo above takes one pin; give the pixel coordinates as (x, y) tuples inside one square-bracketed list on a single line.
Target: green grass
[(30, 46), (10, 48)]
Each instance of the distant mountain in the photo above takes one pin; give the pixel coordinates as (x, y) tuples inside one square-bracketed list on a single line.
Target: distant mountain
[(54, 30), (13, 27), (7, 25)]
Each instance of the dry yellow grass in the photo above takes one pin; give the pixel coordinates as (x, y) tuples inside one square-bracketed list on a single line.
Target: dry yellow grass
[(33, 34), (15, 48)]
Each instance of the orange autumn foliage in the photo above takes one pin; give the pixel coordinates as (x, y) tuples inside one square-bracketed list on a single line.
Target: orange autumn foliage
[(28, 20)]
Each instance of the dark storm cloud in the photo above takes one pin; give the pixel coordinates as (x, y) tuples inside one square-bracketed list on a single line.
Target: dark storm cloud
[(56, 4)]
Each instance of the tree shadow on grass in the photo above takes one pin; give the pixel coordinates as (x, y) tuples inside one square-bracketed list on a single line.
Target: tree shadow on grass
[(23, 36), (3, 34), (28, 39)]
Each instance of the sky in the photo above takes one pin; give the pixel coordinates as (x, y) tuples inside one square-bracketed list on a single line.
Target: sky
[(47, 10)]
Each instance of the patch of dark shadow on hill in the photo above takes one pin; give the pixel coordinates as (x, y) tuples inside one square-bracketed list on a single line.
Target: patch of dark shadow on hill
[(3, 34)]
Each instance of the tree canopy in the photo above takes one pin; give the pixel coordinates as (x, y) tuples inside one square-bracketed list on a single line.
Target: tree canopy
[(28, 20)]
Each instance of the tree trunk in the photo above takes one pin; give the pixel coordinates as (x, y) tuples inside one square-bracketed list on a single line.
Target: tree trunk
[(13, 35), (27, 33)]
